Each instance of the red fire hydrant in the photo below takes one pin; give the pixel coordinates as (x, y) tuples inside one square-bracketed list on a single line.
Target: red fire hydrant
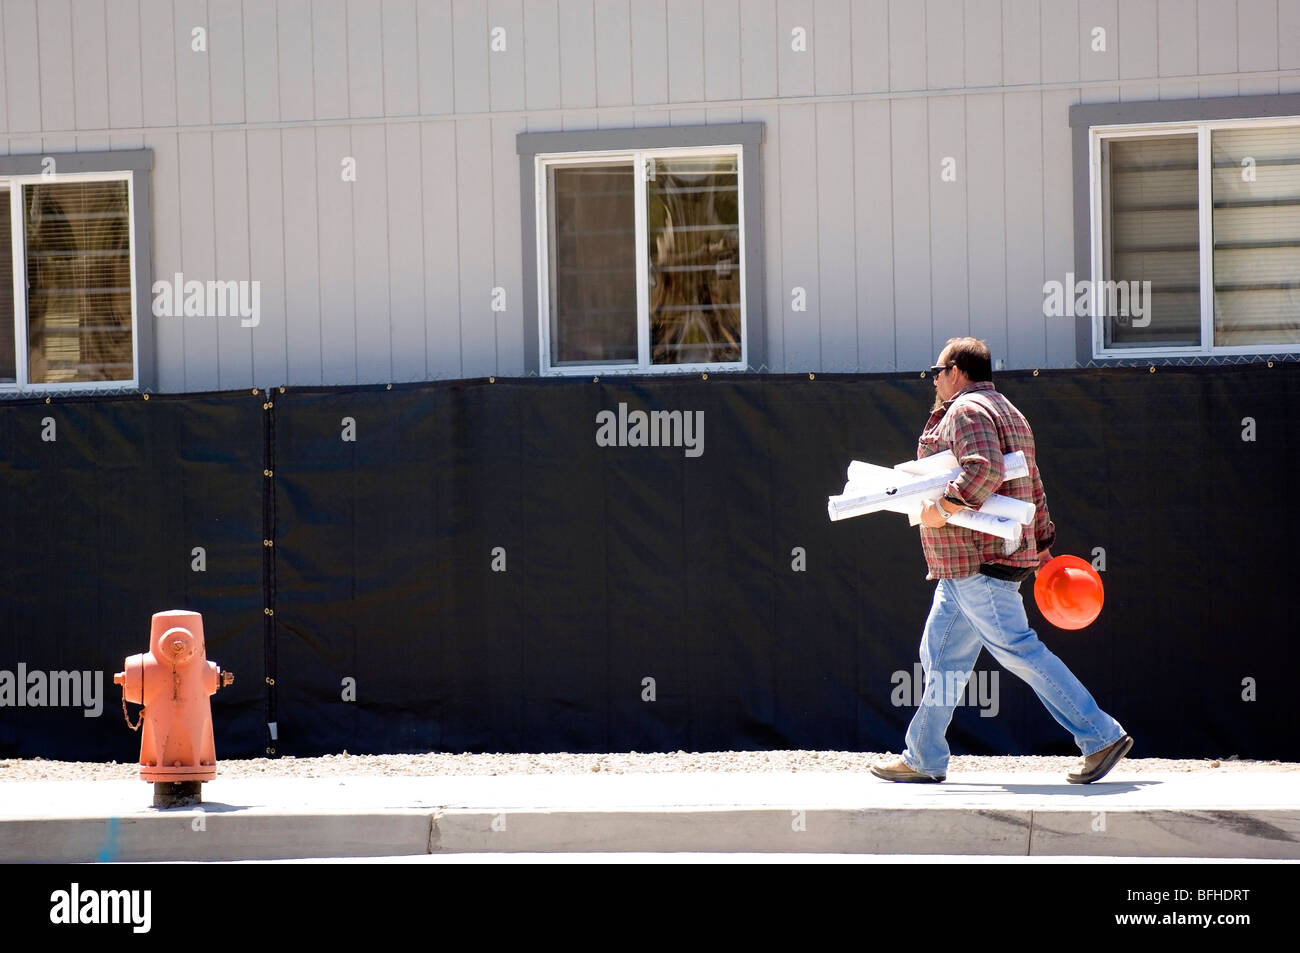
[(174, 682)]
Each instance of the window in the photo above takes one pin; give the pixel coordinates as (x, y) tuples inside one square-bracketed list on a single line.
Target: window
[(69, 275), (642, 256), (1193, 235)]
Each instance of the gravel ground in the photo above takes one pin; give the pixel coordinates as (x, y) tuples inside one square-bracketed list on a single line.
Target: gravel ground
[(37, 769)]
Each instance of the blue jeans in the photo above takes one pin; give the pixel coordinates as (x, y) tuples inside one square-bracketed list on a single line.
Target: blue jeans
[(982, 612)]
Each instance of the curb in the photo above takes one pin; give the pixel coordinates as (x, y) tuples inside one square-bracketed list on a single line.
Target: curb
[(195, 835)]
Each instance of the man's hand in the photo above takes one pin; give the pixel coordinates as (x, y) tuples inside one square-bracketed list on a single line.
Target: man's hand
[(1044, 558), (931, 516)]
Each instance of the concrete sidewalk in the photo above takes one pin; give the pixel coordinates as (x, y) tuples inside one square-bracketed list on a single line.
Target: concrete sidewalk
[(1202, 814)]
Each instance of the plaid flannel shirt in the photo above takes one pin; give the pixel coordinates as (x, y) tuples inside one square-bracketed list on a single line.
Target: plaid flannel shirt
[(978, 430)]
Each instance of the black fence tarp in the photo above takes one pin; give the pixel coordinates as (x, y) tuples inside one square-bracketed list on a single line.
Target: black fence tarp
[(464, 567)]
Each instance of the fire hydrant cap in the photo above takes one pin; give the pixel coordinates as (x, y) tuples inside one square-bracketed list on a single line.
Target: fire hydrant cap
[(1069, 592)]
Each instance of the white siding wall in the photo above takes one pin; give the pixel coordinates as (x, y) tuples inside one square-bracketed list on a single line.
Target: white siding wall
[(389, 278)]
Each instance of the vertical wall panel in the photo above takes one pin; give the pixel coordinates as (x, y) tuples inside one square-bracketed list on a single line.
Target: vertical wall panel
[(506, 66), (798, 237), (758, 42), (441, 250), (55, 50), (613, 27), (405, 265), (836, 279), (158, 62), (226, 53), (869, 28), (474, 226), (1216, 24), (944, 44), (1058, 218), (370, 253), (577, 55), (198, 256), (949, 302), (832, 29), (983, 42), (1062, 39), (1177, 30), (614, 119), (295, 41), (649, 25), (4, 95), (986, 222), (1288, 34), (1023, 125), (541, 54), (302, 272), (776, 299), (1095, 64), (193, 67), (1138, 39), (89, 65), (1257, 43), (365, 61), (469, 33), (234, 354), (1022, 43), (329, 52), (506, 247), (22, 67), (722, 50), (907, 69), (437, 70), (874, 221), (909, 130), (685, 19), (169, 332), (262, 61), (266, 253), (796, 70), (401, 57), (337, 276)]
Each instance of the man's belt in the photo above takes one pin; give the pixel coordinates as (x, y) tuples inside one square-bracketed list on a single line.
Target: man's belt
[(1007, 573)]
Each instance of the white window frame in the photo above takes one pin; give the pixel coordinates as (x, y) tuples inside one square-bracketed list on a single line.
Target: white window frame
[(15, 183), (1205, 202), (545, 161)]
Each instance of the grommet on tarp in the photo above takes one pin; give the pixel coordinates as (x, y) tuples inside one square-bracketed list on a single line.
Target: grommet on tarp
[(1151, 369), (145, 396), (595, 379), (47, 400), (704, 377), (812, 376), (389, 387), (1035, 372), (281, 388), (254, 391)]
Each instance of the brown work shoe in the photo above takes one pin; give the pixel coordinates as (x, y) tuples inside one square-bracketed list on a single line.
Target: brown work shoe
[(899, 771), (1095, 766)]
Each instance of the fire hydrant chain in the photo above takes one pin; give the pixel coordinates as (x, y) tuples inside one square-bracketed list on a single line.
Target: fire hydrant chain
[(127, 715)]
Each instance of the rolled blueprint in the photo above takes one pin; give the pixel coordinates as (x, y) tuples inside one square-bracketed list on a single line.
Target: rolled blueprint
[(906, 487)]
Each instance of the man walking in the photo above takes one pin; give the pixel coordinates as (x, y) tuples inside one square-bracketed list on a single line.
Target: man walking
[(977, 602)]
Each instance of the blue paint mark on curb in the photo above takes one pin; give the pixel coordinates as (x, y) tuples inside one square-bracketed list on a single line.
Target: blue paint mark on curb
[(108, 853)]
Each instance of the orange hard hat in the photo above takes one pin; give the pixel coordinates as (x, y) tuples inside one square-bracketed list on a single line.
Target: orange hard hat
[(1069, 592)]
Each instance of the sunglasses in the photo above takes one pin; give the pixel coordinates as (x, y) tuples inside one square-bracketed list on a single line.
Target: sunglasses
[(940, 368)]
